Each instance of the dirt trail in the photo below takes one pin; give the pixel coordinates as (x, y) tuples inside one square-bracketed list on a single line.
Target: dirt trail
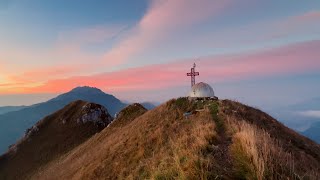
[(222, 157), (220, 147)]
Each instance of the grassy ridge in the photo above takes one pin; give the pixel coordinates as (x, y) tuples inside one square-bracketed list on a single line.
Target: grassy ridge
[(219, 140)]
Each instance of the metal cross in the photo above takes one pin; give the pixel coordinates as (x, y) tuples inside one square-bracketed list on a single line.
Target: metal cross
[(193, 75)]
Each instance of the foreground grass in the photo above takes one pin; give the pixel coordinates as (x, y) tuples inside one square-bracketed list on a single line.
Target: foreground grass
[(160, 144), (257, 155), (225, 140)]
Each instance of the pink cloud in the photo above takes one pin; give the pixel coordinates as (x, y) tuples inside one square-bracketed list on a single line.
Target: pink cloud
[(305, 23), (297, 58), (262, 33), (162, 18), (313, 16)]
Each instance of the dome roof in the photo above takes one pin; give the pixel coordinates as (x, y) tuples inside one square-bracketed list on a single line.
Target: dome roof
[(201, 89)]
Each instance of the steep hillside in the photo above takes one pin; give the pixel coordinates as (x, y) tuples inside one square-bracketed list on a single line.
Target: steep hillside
[(215, 140), (56, 134), (13, 124)]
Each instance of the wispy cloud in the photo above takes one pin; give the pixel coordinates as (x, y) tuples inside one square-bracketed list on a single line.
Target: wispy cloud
[(310, 113), (67, 63), (297, 58), (66, 56), (262, 34), (74, 40), (162, 18)]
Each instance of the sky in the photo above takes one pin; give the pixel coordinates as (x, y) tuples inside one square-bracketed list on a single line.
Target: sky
[(265, 53)]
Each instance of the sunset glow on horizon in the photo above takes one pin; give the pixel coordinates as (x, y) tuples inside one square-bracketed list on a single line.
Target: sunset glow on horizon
[(134, 49)]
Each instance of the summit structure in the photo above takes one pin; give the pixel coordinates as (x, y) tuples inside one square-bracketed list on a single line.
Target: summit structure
[(201, 89), (193, 74)]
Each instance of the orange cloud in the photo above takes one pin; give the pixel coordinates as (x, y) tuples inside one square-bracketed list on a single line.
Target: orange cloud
[(46, 73), (297, 58)]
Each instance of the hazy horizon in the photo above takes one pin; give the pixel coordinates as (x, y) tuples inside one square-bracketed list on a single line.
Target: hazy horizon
[(142, 50)]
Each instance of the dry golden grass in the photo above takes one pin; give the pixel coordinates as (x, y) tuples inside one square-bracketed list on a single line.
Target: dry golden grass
[(160, 144), (258, 156), (225, 141), (184, 156)]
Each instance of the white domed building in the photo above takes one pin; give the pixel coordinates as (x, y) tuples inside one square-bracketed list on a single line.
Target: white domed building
[(201, 90)]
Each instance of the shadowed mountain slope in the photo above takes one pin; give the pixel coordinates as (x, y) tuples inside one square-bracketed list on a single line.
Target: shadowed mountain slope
[(13, 124), (53, 136), (313, 132), (222, 140), (6, 109)]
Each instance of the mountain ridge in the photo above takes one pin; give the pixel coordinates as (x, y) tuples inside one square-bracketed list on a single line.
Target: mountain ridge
[(52, 136), (13, 124), (6, 109), (215, 139)]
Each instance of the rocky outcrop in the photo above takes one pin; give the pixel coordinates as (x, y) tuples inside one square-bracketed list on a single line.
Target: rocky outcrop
[(52, 137), (96, 114)]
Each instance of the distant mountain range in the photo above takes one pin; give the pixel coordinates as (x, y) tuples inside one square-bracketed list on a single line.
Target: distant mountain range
[(6, 109), (148, 105), (308, 107), (313, 132), (13, 124), (304, 117)]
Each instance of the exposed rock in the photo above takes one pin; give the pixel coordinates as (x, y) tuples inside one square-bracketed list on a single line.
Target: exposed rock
[(53, 136), (31, 131), (95, 113)]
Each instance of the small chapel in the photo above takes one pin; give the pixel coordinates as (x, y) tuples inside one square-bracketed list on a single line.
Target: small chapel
[(200, 90)]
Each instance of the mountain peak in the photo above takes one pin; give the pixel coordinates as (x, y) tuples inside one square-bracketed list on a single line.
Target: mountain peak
[(86, 89), (92, 94)]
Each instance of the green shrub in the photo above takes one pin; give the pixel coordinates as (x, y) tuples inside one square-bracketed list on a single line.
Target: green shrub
[(183, 104), (198, 105)]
